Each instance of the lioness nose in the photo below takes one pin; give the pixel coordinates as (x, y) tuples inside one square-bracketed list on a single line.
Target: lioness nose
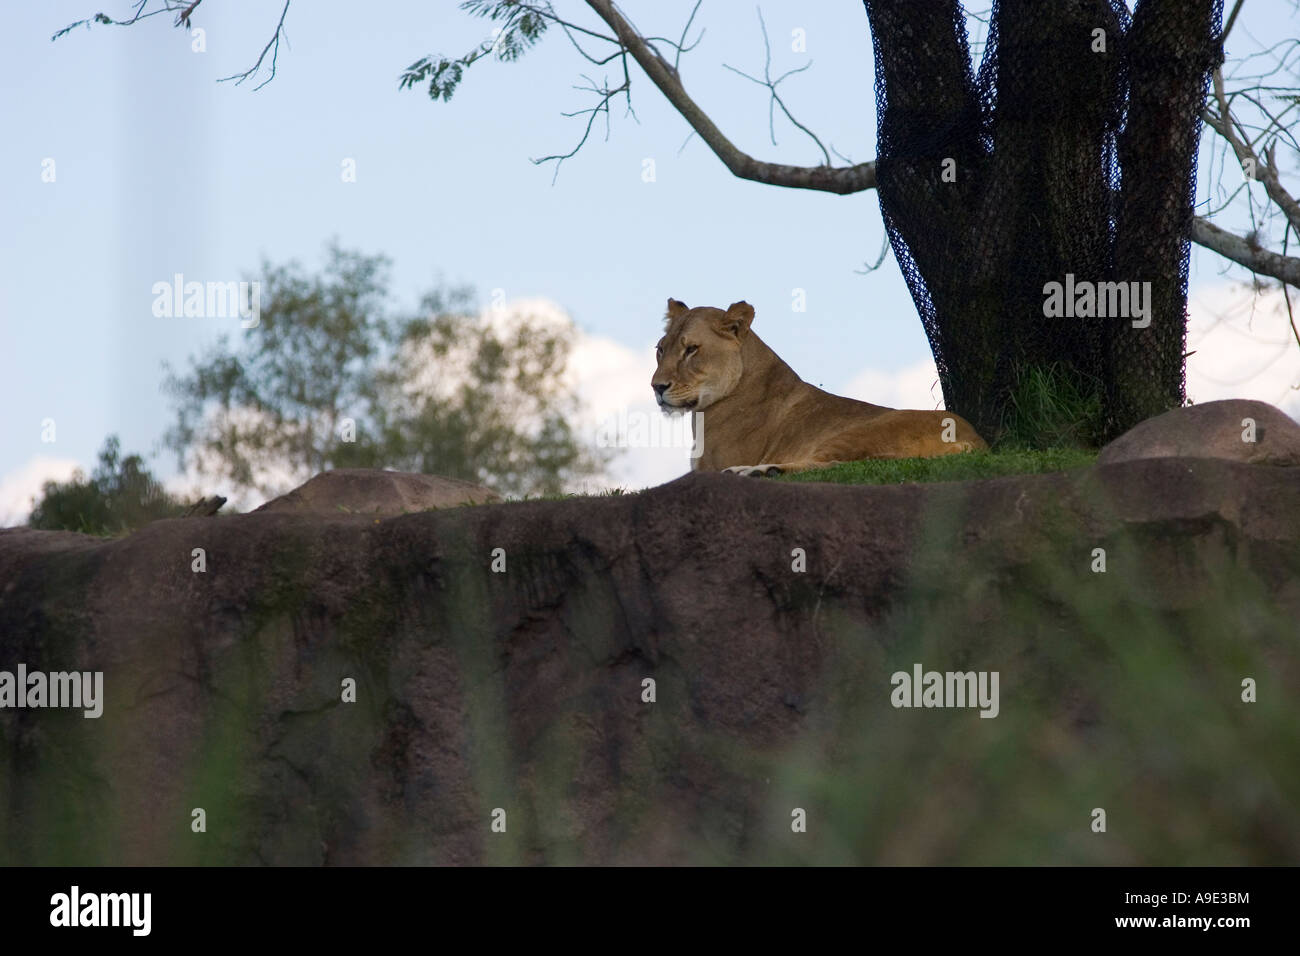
[(660, 389)]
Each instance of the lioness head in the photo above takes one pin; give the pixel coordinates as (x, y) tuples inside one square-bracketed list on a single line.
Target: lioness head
[(699, 355)]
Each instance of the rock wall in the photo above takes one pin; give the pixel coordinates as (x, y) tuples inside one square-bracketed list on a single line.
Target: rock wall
[(770, 618)]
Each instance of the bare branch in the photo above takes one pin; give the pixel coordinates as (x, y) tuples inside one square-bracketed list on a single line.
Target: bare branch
[(606, 94), (839, 180), (585, 55), (1290, 314), (1274, 123), (140, 5), (272, 45), (686, 29), (1232, 18), (880, 259), (183, 18), (1244, 252), (1223, 124), (775, 99)]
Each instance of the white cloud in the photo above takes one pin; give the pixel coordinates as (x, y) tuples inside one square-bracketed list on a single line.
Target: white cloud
[(615, 404), (612, 385), (913, 386), (612, 382), (1244, 347), (21, 486), (427, 374)]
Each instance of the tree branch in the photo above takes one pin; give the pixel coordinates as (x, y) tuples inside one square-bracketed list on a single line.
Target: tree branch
[(1243, 252), (140, 14), (775, 99), (861, 177), (606, 93), (1223, 124), (840, 180), (272, 47)]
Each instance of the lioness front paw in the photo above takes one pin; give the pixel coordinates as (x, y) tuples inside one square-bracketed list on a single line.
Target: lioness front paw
[(754, 471)]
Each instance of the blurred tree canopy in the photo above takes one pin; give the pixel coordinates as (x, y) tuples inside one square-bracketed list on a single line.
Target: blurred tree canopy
[(120, 495), (328, 379)]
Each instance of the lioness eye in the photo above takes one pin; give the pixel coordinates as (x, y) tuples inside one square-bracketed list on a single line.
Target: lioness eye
[(691, 350), (659, 352)]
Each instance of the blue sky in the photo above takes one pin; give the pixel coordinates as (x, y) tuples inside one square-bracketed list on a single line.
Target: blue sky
[(160, 169)]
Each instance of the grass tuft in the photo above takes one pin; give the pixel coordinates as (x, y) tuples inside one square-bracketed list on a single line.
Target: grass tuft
[(1052, 406)]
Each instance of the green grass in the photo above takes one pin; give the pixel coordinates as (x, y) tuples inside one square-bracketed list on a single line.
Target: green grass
[(982, 464), (1052, 406), (562, 496)]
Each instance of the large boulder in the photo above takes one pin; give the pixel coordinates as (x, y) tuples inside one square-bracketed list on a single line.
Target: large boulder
[(371, 491), (675, 676), (1222, 429)]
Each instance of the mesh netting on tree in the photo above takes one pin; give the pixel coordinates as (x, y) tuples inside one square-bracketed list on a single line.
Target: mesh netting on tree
[(1068, 157)]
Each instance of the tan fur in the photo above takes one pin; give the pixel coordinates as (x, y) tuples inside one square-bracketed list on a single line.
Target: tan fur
[(760, 418)]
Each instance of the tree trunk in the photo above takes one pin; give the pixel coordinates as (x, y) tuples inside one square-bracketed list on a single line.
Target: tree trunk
[(993, 185), (1174, 47)]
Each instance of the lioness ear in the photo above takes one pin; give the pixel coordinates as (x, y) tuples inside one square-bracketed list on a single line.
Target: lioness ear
[(675, 309), (737, 319)]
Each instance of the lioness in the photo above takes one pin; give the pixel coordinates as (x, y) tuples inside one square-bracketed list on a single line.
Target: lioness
[(760, 418)]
